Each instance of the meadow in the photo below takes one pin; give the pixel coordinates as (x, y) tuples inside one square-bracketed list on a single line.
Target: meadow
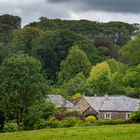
[(108, 132)]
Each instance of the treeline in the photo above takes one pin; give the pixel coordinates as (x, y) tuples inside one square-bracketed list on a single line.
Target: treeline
[(65, 57), (70, 48)]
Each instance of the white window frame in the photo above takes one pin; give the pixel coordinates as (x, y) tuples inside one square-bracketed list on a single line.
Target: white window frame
[(127, 116), (107, 115)]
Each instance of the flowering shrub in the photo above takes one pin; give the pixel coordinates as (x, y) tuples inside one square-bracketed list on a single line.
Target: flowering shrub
[(90, 119), (62, 116)]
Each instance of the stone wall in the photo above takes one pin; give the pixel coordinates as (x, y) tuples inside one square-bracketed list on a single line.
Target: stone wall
[(114, 115)]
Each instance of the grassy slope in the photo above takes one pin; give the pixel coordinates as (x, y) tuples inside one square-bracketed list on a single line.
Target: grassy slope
[(114, 132)]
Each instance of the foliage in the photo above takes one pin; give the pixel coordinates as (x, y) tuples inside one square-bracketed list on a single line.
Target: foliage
[(118, 32), (135, 116), (21, 83), (77, 84), (131, 81), (41, 123), (100, 78), (51, 47), (52, 123), (8, 23), (90, 119), (110, 122), (102, 42), (91, 51), (4, 51), (77, 95), (62, 116), (69, 122), (130, 52), (118, 71), (37, 113), (75, 62), (11, 126), (22, 40)]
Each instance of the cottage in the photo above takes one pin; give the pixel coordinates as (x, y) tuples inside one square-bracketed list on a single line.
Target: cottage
[(107, 107)]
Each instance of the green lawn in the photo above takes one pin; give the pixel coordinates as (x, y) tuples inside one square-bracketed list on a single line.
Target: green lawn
[(110, 132)]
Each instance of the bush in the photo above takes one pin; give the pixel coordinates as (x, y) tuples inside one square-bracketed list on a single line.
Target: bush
[(41, 123), (109, 122), (62, 116), (135, 116), (36, 113), (69, 122), (10, 126), (52, 123), (90, 119)]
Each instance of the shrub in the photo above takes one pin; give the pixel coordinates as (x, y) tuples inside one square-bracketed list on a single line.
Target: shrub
[(62, 116), (41, 123), (52, 123), (135, 116), (109, 122), (69, 122), (90, 119), (10, 126), (37, 112)]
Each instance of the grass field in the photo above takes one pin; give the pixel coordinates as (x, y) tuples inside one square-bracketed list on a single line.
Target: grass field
[(114, 132)]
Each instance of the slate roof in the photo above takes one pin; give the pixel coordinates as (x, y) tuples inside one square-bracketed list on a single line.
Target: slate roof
[(59, 101), (113, 103), (69, 104)]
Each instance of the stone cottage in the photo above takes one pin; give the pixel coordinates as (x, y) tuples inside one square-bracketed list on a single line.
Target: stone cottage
[(107, 107)]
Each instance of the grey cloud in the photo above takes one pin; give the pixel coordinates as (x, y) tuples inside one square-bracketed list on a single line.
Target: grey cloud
[(30, 11), (130, 6)]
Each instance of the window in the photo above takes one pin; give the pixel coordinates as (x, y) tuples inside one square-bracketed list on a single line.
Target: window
[(127, 116), (107, 116)]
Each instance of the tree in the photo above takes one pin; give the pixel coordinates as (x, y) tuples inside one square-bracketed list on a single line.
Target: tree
[(100, 78), (108, 46), (77, 84), (8, 24), (130, 53), (91, 51), (21, 83), (118, 70), (22, 39), (75, 62), (4, 51), (131, 81), (51, 47), (38, 110)]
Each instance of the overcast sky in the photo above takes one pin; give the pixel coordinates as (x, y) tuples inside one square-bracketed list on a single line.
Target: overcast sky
[(97, 10)]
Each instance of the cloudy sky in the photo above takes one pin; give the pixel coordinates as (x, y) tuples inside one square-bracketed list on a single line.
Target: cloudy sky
[(97, 10)]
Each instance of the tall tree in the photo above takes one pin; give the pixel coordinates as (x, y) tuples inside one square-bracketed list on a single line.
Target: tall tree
[(8, 24), (21, 83), (130, 53), (22, 39), (100, 78), (75, 62), (51, 47)]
